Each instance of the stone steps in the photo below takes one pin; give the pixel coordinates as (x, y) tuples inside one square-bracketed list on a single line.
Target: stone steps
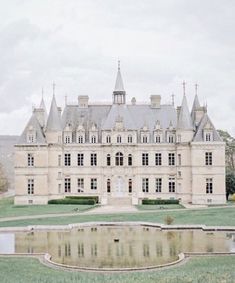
[(119, 201)]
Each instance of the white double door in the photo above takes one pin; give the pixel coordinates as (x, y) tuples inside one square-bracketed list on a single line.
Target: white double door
[(119, 186)]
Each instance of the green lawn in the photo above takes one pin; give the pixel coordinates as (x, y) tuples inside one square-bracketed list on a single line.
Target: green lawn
[(212, 216), (8, 209), (159, 206), (207, 269)]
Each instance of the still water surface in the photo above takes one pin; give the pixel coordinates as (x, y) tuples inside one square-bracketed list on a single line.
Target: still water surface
[(116, 246)]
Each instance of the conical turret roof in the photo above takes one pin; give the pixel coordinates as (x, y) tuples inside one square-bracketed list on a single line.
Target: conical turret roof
[(196, 103), (54, 119), (184, 120), (119, 83)]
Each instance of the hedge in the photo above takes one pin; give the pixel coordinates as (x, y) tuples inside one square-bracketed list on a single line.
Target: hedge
[(72, 201), (160, 201), (95, 198)]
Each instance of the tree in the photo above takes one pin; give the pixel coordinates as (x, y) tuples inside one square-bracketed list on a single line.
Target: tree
[(230, 183), (3, 180), (230, 161)]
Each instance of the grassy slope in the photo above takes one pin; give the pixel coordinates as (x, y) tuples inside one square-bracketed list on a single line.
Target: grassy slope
[(8, 209), (212, 216), (209, 269)]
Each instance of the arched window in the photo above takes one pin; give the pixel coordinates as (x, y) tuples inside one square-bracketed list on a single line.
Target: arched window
[(119, 159), (108, 139), (93, 139), (129, 139), (67, 139), (119, 139), (145, 139), (80, 139), (108, 185), (129, 160), (157, 139), (108, 160)]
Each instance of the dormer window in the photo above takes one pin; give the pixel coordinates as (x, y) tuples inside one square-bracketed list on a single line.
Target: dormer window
[(145, 139), (119, 139), (208, 137), (171, 139), (157, 138), (31, 135), (80, 139), (108, 139), (67, 139), (93, 139), (129, 139)]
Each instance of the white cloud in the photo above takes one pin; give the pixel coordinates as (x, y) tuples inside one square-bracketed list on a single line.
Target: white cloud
[(76, 44)]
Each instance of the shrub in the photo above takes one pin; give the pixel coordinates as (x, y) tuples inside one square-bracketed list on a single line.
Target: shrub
[(168, 220), (233, 197), (72, 201), (95, 198), (160, 201)]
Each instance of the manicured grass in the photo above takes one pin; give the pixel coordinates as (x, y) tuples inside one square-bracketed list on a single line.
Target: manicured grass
[(211, 217), (8, 209), (206, 269), (159, 206)]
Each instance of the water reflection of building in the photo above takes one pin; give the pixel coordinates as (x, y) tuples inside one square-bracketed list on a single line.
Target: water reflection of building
[(134, 246)]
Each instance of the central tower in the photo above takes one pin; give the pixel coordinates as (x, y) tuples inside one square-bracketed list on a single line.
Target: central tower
[(119, 94)]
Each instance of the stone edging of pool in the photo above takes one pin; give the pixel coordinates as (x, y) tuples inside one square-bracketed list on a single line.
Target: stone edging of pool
[(128, 223)]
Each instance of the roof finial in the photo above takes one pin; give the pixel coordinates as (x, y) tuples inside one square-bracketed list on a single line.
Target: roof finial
[(53, 85), (42, 92), (173, 99), (196, 88), (184, 84), (119, 65), (65, 98)]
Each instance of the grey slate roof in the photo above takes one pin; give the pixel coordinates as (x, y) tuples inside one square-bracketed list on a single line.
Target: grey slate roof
[(184, 120), (196, 103), (104, 116), (199, 133), (43, 106), (34, 123), (54, 119)]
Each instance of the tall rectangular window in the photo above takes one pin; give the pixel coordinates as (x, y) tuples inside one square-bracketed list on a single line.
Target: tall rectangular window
[(209, 185), (30, 186), (80, 185), (179, 159), (67, 185), (171, 159), (93, 159), (171, 185), (129, 160), (108, 160), (30, 160), (145, 185), (145, 159), (130, 186), (208, 158), (80, 159), (158, 184), (93, 184), (158, 159), (108, 185), (59, 160), (67, 159)]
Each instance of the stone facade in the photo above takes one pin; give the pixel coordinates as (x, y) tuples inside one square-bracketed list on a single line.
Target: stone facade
[(120, 152)]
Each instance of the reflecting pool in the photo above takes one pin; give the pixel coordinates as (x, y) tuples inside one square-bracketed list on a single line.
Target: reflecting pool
[(116, 246)]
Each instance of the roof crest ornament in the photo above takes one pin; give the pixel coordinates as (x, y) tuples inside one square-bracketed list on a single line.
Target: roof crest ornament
[(196, 88), (53, 86)]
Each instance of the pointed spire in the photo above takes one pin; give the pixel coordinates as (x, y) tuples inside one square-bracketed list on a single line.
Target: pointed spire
[(54, 119), (185, 121), (119, 83)]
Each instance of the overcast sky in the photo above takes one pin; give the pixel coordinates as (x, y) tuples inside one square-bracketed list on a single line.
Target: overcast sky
[(77, 43)]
